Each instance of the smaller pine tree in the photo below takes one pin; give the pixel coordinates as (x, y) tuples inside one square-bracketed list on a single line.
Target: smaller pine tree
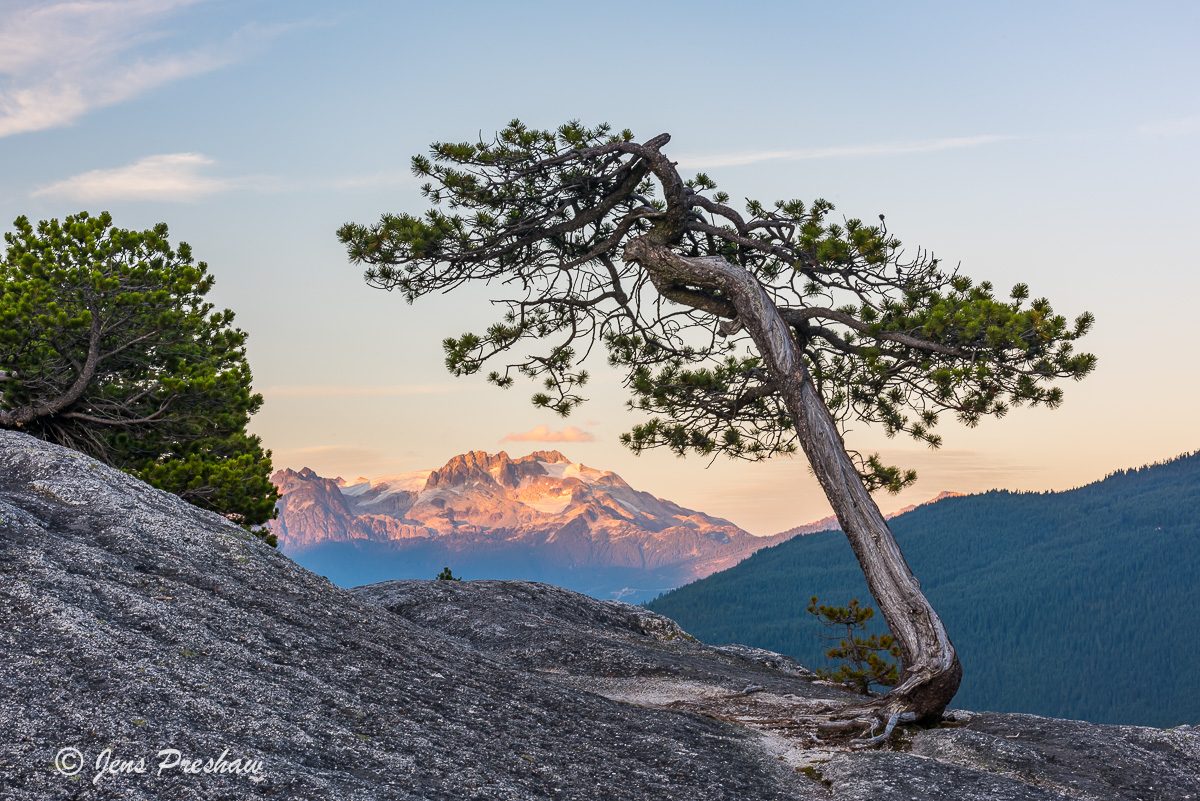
[(446, 575), (861, 662)]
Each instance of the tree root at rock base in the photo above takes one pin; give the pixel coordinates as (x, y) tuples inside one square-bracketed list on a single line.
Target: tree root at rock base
[(807, 722), (893, 719), (842, 724)]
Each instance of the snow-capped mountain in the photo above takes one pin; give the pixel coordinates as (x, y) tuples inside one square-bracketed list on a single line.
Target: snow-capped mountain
[(487, 515), (540, 517)]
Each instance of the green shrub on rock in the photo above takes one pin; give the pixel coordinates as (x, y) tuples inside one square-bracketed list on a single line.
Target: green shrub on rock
[(107, 346)]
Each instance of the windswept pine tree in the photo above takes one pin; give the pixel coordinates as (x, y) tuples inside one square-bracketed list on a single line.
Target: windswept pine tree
[(749, 333), (108, 346)]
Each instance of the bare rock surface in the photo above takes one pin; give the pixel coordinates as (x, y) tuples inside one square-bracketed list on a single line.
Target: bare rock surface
[(132, 623), (135, 622), (541, 628)]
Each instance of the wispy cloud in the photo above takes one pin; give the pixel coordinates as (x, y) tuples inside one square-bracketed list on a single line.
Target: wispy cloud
[(184, 177), (848, 151), (1179, 127), (355, 391), (959, 471), (387, 179), (334, 460), (59, 60), (325, 450), (547, 434), (171, 177)]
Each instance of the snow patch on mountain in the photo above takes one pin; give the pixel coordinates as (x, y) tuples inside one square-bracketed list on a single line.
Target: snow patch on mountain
[(551, 505), (565, 470), (399, 482), (630, 507)]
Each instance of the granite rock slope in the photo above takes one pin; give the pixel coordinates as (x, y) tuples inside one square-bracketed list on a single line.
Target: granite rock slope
[(586, 644), (131, 623), (135, 622), (545, 629)]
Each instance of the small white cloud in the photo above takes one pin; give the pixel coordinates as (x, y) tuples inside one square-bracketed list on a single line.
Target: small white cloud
[(1180, 127), (181, 177), (169, 177), (882, 149), (546, 434)]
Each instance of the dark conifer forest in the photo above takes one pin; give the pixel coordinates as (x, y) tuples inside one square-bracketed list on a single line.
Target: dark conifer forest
[(1082, 604)]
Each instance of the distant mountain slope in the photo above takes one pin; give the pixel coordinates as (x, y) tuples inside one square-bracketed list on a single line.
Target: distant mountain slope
[(831, 523), (1079, 604), (540, 517)]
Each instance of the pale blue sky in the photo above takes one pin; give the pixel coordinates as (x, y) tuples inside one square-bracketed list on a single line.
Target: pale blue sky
[(1052, 143)]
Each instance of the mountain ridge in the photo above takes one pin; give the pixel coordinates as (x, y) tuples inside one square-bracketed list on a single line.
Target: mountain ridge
[(831, 523), (566, 522), (1068, 604), (539, 517)]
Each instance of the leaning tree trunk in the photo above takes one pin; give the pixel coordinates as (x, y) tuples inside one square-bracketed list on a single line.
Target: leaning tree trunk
[(931, 670)]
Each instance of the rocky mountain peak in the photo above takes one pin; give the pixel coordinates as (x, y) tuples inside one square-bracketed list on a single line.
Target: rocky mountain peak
[(304, 474), (564, 521), (288, 480), (477, 467), (550, 457)]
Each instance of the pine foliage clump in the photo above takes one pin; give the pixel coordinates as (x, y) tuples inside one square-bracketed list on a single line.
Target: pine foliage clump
[(109, 346)]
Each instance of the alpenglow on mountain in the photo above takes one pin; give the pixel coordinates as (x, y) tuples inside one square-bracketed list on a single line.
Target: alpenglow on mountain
[(540, 517)]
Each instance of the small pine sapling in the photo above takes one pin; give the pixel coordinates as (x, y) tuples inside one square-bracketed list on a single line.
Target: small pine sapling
[(446, 575), (861, 662)]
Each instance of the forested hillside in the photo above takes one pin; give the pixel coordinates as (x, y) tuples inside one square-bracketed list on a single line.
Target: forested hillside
[(1079, 604)]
